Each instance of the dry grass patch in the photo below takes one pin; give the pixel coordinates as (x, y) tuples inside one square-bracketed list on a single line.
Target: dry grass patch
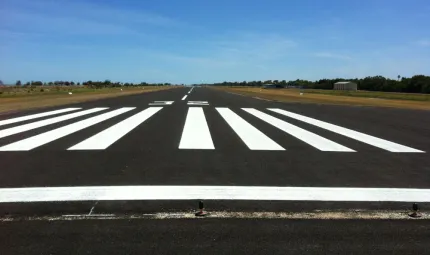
[(312, 96), (21, 99)]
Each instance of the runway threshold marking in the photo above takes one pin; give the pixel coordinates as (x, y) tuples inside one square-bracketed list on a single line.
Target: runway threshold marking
[(35, 116), (261, 193), (44, 138), (42, 123), (252, 137), (310, 138), (108, 136), (196, 134), (368, 139)]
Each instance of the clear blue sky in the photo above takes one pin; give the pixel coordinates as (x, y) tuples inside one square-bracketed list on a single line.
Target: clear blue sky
[(212, 41)]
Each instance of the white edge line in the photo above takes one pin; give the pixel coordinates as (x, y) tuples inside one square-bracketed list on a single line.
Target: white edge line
[(110, 193)]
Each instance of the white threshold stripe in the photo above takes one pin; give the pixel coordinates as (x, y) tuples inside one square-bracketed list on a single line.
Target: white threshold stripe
[(108, 136), (111, 193), (196, 134), (374, 141), (310, 138), (35, 116), (42, 123), (252, 137), (44, 138), (184, 97)]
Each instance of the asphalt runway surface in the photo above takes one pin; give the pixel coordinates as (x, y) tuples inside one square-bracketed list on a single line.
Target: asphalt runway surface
[(215, 236), (163, 151), (203, 138)]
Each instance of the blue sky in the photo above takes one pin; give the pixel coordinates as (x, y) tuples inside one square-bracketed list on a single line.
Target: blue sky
[(212, 41)]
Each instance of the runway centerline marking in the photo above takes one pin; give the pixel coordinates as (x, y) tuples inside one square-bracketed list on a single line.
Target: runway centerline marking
[(108, 136), (261, 193), (35, 116), (252, 137), (44, 138), (184, 97), (196, 134), (42, 123), (310, 138), (198, 103), (372, 140)]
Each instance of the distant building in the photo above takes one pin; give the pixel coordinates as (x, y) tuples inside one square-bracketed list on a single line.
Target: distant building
[(272, 86), (345, 85)]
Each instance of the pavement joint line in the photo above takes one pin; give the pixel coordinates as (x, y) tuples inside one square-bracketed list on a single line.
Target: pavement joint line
[(259, 98), (305, 215), (92, 208)]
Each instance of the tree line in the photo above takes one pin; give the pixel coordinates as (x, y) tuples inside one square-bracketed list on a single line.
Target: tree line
[(415, 84), (91, 84)]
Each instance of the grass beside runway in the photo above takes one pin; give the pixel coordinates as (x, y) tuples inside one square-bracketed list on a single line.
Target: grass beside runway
[(15, 99), (362, 98)]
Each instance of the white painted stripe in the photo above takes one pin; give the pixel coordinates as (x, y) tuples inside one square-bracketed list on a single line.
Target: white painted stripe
[(44, 138), (42, 123), (252, 137), (108, 136), (197, 103), (110, 193), (196, 134), (310, 138), (374, 141), (35, 116), (190, 90), (184, 97)]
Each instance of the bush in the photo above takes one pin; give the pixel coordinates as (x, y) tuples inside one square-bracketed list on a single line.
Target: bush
[(41, 90)]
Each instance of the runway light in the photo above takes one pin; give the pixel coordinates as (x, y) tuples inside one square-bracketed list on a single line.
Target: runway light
[(201, 211), (415, 213)]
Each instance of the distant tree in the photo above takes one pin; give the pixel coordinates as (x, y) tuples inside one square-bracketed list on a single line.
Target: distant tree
[(398, 77), (67, 83), (18, 83), (50, 83), (79, 84), (72, 83)]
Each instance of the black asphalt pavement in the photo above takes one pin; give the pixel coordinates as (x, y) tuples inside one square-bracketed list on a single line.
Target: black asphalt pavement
[(215, 236), (149, 154)]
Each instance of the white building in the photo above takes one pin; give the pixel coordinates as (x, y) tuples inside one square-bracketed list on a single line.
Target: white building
[(345, 85)]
